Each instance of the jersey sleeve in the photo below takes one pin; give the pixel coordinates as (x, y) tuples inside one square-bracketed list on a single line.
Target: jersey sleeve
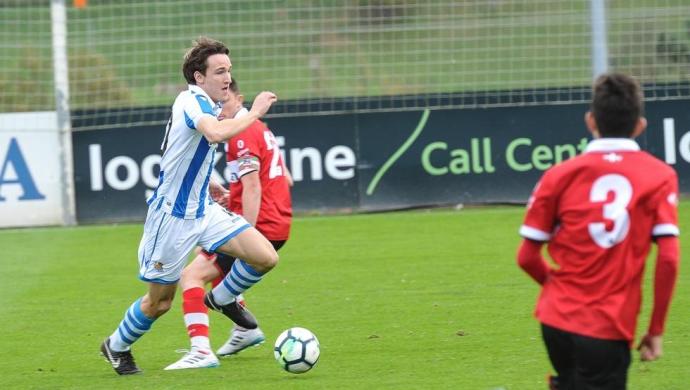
[(196, 107), (245, 150), (666, 209), (541, 210)]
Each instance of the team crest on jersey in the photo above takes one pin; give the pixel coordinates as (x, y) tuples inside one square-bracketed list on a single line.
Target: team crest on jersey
[(672, 199), (158, 266)]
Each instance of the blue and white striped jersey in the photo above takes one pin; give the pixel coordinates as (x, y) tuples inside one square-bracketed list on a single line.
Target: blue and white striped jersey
[(187, 157)]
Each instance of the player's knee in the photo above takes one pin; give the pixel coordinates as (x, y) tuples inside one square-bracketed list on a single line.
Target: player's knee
[(266, 261), (273, 258)]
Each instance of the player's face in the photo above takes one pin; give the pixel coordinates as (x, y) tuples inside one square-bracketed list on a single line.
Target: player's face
[(217, 78), (232, 105)]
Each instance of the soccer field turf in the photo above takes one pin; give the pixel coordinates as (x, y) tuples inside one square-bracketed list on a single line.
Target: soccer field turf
[(416, 300)]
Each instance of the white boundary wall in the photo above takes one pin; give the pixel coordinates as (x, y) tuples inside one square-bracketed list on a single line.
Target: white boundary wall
[(30, 170)]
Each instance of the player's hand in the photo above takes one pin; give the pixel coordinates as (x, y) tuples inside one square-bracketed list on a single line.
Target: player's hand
[(262, 102), (650, 348), (219, 194)]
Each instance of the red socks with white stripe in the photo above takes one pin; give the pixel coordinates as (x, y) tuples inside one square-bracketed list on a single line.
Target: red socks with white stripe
[(196, 317)]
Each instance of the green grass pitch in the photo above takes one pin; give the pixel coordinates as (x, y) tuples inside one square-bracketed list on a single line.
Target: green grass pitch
[(417, 300)]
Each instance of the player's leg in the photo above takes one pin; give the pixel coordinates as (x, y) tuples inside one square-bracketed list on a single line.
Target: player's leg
[(241, 338), (601, 364), (251, 248), (162, 255), (255, 257), (232, 235), (240, 277), (194, 277), (561, 350), (136, 322)]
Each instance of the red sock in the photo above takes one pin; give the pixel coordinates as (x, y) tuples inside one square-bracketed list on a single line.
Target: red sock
[(196, 317)]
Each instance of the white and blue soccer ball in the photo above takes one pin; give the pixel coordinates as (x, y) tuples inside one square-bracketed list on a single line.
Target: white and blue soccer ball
[(297, 350)]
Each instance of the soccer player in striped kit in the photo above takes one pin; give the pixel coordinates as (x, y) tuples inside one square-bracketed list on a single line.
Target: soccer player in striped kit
[(181, 214), (599, 213), (259, 191)]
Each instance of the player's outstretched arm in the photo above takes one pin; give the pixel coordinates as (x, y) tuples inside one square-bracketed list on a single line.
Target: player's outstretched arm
[(220, 131), (665, 276)]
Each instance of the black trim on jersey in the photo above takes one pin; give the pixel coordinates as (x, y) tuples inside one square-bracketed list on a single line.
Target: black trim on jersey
[(164, 145)]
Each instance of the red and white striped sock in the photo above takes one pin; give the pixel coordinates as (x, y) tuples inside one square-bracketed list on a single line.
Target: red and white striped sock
[(196, 317)]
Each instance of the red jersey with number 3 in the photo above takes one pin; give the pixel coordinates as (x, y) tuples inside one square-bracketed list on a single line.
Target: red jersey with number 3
[(599, 213), (256, 149)]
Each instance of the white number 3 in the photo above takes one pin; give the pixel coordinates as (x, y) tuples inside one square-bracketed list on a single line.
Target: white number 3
[(615, 210)]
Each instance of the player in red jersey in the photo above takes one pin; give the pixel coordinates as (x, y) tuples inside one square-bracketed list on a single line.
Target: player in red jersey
[(259, 191), (599, 213)]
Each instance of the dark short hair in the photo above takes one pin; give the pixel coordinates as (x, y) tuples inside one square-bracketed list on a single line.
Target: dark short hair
[(196, 57), (616, 104)]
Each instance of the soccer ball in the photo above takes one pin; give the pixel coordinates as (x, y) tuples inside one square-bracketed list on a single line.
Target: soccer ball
[(297, 350)]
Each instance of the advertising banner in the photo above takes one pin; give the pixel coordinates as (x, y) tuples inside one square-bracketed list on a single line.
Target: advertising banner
[(384, 160), (491, 155), (30, 169), (116, 169)]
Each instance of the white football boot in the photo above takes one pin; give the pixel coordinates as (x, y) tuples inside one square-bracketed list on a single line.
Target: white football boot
[(241, 339), (195, 358)]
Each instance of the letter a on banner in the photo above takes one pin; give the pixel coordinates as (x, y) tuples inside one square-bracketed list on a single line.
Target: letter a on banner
[(24, 179)]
